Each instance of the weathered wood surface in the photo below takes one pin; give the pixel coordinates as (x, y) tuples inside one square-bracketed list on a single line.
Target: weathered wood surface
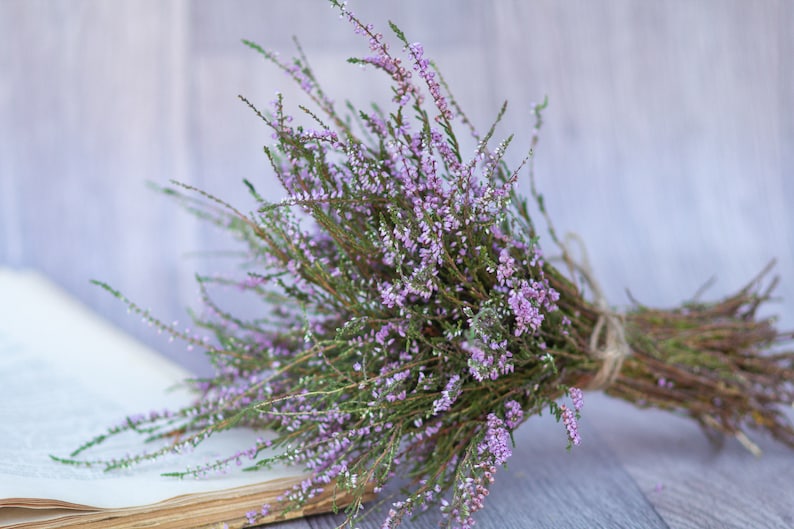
[(634, 469), (668, 145), (549, 487)]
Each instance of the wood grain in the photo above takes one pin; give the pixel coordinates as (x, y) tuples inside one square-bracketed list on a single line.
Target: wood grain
[(667, 142), (546, 486), (691, 482), (635, 468)]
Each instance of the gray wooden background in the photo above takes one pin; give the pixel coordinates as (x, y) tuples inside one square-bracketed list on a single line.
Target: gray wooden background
[(668, 143)]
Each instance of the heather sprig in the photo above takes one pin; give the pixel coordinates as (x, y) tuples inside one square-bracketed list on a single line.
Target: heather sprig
[(411, 321)]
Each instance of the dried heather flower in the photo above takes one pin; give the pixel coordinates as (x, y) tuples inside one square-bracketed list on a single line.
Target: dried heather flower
[(414, 323), (569, 420), (577, 397)]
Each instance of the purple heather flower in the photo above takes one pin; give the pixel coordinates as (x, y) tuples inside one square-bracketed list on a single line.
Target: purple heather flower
[(664, 383), (390, 296), (569, 420), (513, 414), (578, 398), (525, 301), (422, 66), (496, 443), (506, 267), (493, 450), (448, 396), (488, 362), (383, 333), (404, 88)]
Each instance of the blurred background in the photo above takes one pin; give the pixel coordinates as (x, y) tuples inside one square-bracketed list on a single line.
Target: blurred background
[(668, 143)]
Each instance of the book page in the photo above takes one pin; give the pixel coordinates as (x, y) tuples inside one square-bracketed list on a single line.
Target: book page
[(66, 376)]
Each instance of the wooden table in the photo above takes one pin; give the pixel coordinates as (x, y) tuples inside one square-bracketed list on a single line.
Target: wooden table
[(634, 469)]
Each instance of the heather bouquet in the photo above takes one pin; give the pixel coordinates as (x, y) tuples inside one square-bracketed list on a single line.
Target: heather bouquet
[(411, 320)]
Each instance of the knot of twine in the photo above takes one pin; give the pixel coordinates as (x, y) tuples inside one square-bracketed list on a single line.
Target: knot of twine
[(608, 339)]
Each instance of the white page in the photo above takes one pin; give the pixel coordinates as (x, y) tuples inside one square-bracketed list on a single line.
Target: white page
[(65, 376)]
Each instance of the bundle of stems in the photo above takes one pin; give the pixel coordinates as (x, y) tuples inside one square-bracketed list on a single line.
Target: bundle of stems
[(411, 321), (714, 362)]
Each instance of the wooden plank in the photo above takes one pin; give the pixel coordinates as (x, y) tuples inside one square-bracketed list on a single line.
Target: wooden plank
[(691, 482), (292, 524), (661, 142), (635, 468), (546, 486), (90, 109), (667, 139), (786, 106)]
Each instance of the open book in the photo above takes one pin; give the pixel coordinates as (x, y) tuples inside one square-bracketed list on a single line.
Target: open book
[(66, 376)]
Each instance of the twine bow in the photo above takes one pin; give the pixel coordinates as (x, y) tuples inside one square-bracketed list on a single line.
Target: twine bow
[(608, 339)]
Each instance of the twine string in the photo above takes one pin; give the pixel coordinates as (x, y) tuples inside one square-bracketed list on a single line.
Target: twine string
[(608, 340)]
